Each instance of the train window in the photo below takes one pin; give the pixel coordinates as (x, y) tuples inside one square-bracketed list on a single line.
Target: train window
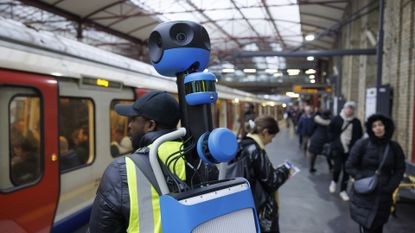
[(76, 130), (120, 142), (24, 139)]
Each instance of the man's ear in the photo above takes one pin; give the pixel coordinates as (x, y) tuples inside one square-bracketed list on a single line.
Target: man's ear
[(150, 125)]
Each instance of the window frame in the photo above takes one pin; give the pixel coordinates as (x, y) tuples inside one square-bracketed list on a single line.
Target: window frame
[(94, 131), (36, 181)]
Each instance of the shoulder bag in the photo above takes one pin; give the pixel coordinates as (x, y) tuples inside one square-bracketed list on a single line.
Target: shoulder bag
[(368, 185)]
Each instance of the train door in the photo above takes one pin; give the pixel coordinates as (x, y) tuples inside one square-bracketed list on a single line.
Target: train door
[(29, 175)]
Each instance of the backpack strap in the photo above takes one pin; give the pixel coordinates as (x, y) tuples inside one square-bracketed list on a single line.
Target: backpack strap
[(142, 161)]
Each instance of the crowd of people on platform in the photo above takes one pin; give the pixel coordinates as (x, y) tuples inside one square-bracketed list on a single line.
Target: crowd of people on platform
[(351, 155)]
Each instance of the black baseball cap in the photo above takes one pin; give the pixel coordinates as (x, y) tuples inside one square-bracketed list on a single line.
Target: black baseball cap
[(155, 105)]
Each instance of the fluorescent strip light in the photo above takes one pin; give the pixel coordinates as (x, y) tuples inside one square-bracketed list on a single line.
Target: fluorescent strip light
[(293, 71), (249, 70), (310, 58), (278, 74), (310, 71), (309, 37), (292, 94), (312, 81), (271, 71), (228, 70), (312, 76)]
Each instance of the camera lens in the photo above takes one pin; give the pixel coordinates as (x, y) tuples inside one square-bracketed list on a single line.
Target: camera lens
[(181, 36)]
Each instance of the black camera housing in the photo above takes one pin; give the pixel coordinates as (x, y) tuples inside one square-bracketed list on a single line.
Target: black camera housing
[(177, 46)]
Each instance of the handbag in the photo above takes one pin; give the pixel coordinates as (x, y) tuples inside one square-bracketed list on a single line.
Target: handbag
[(328, 149), (368, 185)]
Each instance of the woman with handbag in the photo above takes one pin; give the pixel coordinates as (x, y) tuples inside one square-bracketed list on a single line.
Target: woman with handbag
[(377, 164)]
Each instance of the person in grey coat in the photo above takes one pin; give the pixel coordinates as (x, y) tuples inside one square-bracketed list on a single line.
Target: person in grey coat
[(371, 211)]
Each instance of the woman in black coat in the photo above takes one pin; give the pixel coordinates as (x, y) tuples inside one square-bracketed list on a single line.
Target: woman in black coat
[(318, 138), (371, 211)]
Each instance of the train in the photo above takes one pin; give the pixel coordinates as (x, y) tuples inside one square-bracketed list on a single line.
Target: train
[(58, 127)]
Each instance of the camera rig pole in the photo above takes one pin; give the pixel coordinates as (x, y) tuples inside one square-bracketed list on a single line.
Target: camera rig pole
[(197, 119)]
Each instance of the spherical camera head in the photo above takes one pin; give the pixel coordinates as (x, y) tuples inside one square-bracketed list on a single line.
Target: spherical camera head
[(179, 46)]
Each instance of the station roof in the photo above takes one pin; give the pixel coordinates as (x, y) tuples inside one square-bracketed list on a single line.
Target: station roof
[(233, 25)]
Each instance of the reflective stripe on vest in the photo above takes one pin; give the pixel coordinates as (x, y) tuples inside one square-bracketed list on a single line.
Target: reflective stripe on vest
[(141, 206), (144, 199)]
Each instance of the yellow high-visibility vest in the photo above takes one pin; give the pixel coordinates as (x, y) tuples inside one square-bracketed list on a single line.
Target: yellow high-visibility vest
[(144, 199)]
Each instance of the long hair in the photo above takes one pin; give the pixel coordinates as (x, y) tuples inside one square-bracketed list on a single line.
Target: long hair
[(266, 122)]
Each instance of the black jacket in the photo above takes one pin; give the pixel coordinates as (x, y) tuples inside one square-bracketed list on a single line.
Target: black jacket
[(335, 130), (372, 210), (320, 134), (111, 208), (264, 180)]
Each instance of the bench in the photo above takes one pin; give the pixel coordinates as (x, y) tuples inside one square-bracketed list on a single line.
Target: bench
[(405, 192)]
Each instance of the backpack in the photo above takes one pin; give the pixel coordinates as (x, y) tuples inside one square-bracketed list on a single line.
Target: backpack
[(240, 165)]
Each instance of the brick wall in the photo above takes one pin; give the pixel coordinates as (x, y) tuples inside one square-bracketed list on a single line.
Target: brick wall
[(359, 72)]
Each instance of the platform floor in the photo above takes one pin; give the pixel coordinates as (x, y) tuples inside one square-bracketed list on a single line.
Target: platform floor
[(306, 206)]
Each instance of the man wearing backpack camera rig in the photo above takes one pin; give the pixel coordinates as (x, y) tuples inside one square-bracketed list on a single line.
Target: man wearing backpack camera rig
[(253, 163)]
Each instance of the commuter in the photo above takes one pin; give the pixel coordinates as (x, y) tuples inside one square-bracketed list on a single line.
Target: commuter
[(262, 176), (249, 116), (344, 130), (318, 138), (126, 201), (68, 157), (121, 143), (25, 161), (305, 127), (378, 152), (81, 144)]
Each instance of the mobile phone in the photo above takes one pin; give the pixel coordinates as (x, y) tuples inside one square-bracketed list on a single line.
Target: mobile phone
[(293, 169)]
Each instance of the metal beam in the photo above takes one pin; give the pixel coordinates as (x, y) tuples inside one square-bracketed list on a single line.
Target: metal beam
[(379, 55), (335, 27), (103, 8), (314, 53), (264, 3), (213, 22), (70, 16), (246, 20)]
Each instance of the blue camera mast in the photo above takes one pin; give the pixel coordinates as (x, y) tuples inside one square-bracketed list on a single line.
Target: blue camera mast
[(181, 49)]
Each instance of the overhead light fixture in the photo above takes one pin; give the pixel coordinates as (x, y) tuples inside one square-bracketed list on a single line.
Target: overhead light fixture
[(310, 71), (266, 96), (249, 70), (228, 70), (292, 94), (310, 37), (271, 71), (293, 72), (284, 105), (278, 74), (310, 58), (312, 76), (56, 74), (312, 81)]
